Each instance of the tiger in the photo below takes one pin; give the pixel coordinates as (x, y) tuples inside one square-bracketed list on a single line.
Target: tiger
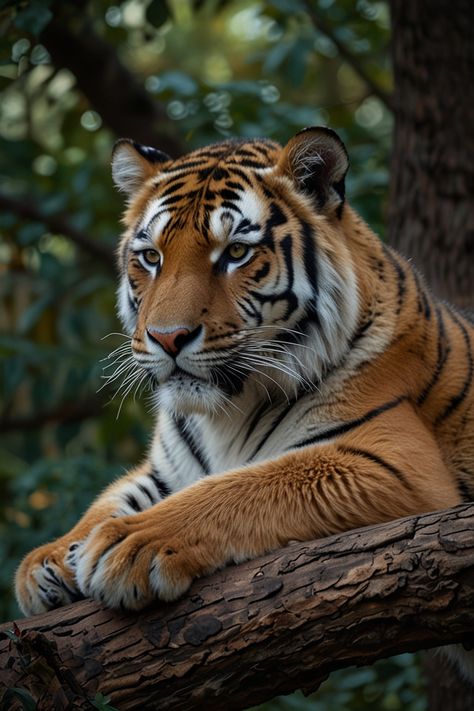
[(306, 381)]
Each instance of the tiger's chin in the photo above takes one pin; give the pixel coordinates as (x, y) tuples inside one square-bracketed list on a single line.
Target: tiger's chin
[(186, 396)]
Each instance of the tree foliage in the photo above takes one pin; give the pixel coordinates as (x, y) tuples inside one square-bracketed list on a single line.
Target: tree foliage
[(74, 75)]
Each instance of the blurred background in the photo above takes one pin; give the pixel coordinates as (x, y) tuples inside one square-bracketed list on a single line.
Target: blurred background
[(76, 75)]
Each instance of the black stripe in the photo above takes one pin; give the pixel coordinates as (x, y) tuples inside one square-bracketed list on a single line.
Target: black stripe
[(142, 236), (443, 353), (230, 206), (242, 175), (167, 452), (258, 412), (230, 382), (401, 277), (276, 422), (461, 395), (286, 246), (248, 163), (147, 493), (262, 272), (311, 270), (185, 164), (360, 333), (286, 294), (309, 255), (186, 435), (466, 494), (464, 491), (249, 308), (375, 459), (171, 199), (173, 186), (245, 226), (132, 302), (160, 485), (131, 501), (352, 424), (228, 194), (219, 173), (423, 301)]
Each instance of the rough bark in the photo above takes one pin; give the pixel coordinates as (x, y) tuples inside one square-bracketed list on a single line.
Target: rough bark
[(112, 90), (432, 176), (266, 627)]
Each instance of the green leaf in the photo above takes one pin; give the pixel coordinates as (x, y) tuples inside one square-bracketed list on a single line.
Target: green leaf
[(34, 17), (20, 48), (32, 314), (157, 12), (30, 233), (101, 702), (13, 372), (27, 701), (178, 82), (40, 55), (287, 6)]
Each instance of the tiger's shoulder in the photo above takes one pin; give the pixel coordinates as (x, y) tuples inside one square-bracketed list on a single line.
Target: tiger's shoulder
[(285, 288), (410, 345)]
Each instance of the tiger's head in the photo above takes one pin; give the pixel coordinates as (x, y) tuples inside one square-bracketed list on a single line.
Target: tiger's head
[(234, 272)]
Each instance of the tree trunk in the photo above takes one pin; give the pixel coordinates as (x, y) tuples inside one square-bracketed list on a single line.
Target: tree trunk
[(431, 215), (266, 627), (112, 90), (432, 177)]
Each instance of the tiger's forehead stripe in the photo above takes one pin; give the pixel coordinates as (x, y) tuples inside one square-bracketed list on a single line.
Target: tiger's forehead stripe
[(155, 219), (248, 211), (243, 215)]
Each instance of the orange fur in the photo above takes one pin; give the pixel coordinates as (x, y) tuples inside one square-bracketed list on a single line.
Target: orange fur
[(408, 354)]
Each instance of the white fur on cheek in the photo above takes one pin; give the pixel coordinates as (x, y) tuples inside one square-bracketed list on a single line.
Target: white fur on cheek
[(127, 314)]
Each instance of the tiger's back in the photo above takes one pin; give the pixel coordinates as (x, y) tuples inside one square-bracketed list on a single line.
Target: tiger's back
[(427, 357)]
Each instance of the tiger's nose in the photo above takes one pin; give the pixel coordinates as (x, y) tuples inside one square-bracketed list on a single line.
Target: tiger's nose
[(173, 341)]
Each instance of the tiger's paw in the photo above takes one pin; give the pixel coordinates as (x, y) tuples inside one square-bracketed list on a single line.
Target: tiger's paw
[(129, 562), (45, 579)]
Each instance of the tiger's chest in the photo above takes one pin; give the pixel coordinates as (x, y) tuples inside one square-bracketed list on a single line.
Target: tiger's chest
[(187, 449)]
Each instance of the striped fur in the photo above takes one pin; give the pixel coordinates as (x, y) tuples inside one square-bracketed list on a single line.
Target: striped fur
[(319, 385)]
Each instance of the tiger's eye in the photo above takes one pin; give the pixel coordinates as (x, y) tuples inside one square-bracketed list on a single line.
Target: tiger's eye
[(151, 256), (237, 250)]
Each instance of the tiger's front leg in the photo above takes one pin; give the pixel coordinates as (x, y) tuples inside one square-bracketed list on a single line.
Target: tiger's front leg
[(239, 515), (46, 577)]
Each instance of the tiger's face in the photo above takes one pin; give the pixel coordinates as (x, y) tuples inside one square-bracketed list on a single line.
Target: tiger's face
[(230, 276)]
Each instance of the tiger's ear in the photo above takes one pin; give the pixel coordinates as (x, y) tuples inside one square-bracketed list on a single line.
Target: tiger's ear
[(133, 163), (317, 162)]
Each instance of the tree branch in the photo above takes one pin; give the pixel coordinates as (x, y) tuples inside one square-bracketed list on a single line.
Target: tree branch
[(62, 414), (59, 225), (121, 100), (320, 23), (266, 627)]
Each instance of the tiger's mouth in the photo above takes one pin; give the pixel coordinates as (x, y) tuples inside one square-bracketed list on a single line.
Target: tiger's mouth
[(184, 392), (220, 377), (181, 373)]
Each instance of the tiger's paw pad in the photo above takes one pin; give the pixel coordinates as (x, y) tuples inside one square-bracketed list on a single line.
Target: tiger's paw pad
[(126, 566)]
